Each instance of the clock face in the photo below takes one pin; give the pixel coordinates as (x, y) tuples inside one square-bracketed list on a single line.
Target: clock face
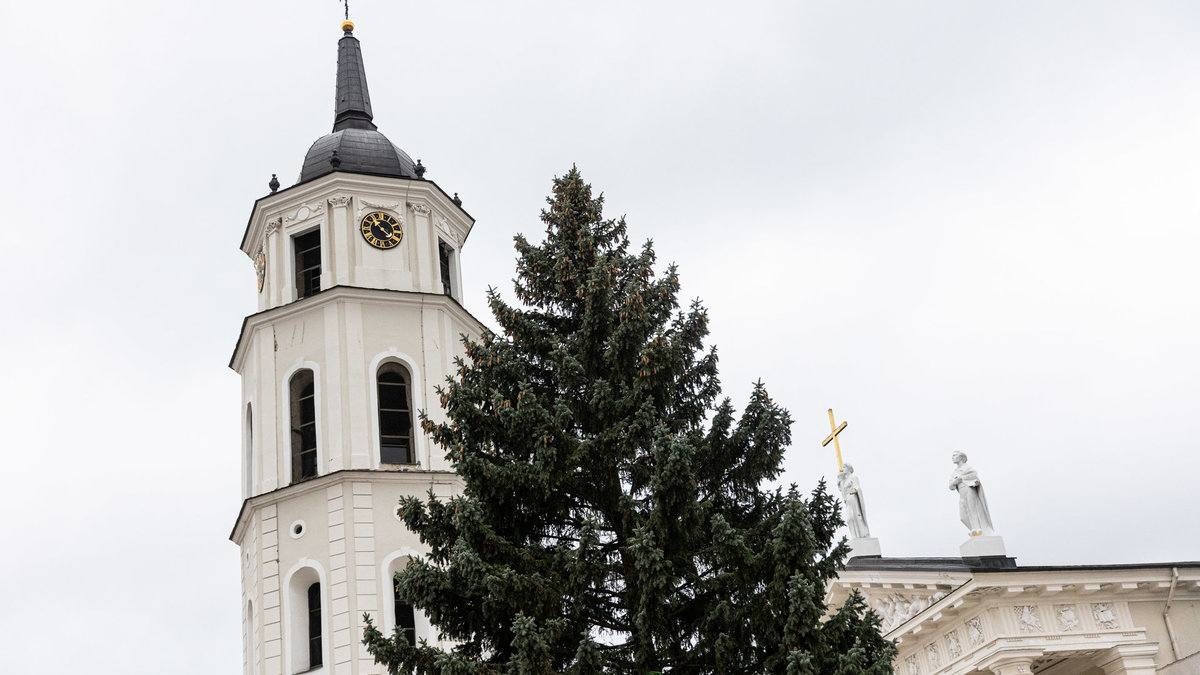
[(260, 269), (381, 230)]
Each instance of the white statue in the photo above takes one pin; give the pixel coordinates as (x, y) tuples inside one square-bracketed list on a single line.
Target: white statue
[(972, 505), (856, 512)]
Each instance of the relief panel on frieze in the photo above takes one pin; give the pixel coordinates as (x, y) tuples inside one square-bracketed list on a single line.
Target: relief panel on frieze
[(935, 658), (953, 644), (1103, 613), (975, 631), (1028, 620), (1066, 618)]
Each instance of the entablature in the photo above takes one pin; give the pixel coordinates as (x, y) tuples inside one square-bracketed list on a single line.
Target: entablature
[(348, 293), (1057, 612)]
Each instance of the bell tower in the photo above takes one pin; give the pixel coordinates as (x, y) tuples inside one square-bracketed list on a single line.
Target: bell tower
[(359, 318)]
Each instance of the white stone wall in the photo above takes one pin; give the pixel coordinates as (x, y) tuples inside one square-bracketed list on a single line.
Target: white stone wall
[(343, 335), (351, 536)]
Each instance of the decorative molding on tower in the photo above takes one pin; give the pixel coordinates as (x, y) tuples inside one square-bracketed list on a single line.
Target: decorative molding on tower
[(273, 225), (305, 212), (339, 201), (443, 226), (365, 204), (419, 208)]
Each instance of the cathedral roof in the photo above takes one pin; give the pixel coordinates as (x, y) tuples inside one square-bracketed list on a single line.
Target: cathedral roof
[(354, 145)]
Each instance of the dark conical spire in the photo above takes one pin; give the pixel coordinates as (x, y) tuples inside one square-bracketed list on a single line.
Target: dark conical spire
[(354, 145), (352, 107)]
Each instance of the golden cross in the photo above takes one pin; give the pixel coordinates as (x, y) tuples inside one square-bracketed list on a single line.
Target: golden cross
[(834, 437)]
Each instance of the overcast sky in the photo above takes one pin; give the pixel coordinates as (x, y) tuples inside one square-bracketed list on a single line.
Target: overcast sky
[(963, 225)]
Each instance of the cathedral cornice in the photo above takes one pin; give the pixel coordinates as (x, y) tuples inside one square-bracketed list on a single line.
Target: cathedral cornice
[(1038, 614), (338, 294), (420, 478)]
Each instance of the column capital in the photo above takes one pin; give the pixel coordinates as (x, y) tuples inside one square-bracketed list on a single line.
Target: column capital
[(1135, 659), (1011, 662)]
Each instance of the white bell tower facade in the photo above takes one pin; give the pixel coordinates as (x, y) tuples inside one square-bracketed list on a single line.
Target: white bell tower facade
[(360, 317)]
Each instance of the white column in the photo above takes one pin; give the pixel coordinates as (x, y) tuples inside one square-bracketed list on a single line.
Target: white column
[(335, 365), (278, 264), (425, 244), (1128, 659), (270, 427), (342, 239), (358, 385)]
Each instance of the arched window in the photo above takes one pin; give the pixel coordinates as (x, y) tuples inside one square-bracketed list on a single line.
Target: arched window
[(303, 622), (395, 415), (445, 255), (406, 620), (248, 467), (314, 625), (400, 614), (304, 426), (248, 637), (308, 263)]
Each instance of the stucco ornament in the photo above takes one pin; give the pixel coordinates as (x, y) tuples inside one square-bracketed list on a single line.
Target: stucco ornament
[(953, 645), (365, 205), (443, 226), (895, 609), (913, 667), (1103, 613), (305, 212), (972, 504), (1027, 618), (856, 510), (1067, 620), (935, 659), (975, 631)]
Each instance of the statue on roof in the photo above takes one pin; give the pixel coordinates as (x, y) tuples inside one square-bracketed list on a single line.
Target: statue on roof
[(972, 504), (855, 514)]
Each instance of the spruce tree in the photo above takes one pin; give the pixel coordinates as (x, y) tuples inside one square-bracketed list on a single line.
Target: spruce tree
[(614, 516)]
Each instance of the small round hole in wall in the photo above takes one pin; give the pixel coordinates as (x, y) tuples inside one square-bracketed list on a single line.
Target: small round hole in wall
[(297, 529)]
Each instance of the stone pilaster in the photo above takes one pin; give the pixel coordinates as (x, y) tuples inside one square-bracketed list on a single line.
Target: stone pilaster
[(1128, 659), (272, 628), (339, 604), (366, 591)]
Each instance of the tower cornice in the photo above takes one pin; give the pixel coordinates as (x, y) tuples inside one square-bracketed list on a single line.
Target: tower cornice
[(338, 294), (330, 185), (422, 480)]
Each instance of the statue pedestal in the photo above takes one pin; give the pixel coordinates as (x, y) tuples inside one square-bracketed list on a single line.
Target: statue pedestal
[(864, 547), (983, 547)]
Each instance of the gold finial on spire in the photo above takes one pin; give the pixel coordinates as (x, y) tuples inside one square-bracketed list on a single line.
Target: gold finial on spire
[(836, 429), (347, 26)]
